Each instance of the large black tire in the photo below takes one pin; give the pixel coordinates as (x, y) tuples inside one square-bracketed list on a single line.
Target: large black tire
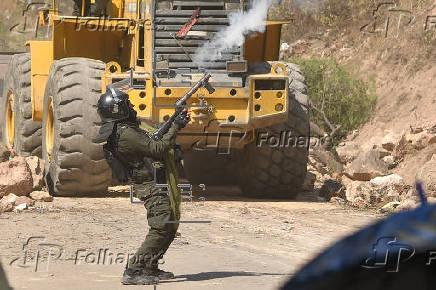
[(27, 133), (76, 165), (209, 168), (267, 171)]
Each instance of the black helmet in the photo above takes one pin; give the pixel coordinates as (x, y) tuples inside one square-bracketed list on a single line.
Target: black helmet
[(114, 105)]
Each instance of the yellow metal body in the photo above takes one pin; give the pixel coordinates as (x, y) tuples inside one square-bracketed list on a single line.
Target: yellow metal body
[(264, 46), (116, 40), (42, 58)]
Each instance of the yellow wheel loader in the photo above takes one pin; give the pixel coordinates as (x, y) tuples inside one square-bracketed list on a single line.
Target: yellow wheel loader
[(253, 131)]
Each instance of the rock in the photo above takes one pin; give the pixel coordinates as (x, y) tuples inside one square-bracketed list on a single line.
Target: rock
[(389, 180), (407, 204), (336, 176), (337, 200), (427, 175), (390, 141), (316, 166), (41, 196), (402, 148), (20, 207), (390, 207), (393, 193), (418, 141), (309, 182), (15, 177), (10, 198), (327, 158), (390, 161), (24, 199), (332, 188), (416, 130), (7, 207), (366, 166), (431, 199), (7, 202), (358, 193), (411, 193), (348, 151), (36, 166), (382, 152), (359, 202), (4, 153), (410, 142), (364, 194)]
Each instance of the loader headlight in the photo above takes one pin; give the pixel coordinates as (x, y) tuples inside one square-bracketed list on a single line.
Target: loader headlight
[(278, 70)]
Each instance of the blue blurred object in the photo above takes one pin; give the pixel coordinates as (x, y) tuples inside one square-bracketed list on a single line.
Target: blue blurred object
[(421, 193), (398, 252)]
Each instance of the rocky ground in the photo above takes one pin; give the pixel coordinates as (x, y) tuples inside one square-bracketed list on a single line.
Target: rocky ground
[(249, 244), (371, 176), (21, 182), (60, 243), (378, 164)]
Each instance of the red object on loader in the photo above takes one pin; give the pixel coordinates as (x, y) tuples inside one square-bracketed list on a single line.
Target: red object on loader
[(188, 25)]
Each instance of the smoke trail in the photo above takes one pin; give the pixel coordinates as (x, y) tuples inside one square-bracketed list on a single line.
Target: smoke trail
[(241, 24)]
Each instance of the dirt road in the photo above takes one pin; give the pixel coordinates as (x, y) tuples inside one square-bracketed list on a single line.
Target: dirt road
[(249, 244)]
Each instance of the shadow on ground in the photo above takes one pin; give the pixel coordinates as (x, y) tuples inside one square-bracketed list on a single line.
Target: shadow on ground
[(203, 276)]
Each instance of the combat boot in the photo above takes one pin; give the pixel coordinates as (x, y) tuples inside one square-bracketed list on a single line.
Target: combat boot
[(164, 275), (138, 277), (161, 274)]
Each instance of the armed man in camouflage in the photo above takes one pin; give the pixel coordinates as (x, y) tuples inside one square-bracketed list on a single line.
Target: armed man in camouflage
[(137, 158)]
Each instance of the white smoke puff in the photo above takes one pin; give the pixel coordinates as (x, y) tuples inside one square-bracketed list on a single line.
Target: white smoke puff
[(241, 24)]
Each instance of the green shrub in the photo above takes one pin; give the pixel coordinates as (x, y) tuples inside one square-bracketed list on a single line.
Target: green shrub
[(345, 99)]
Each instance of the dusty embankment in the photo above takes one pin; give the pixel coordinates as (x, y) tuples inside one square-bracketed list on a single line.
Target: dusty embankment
[(398, 143)]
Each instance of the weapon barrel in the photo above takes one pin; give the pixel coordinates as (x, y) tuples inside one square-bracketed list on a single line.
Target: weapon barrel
[(198, 85), (181, 102)]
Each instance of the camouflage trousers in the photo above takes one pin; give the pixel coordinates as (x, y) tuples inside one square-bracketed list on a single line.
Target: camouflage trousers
[(160, 235)]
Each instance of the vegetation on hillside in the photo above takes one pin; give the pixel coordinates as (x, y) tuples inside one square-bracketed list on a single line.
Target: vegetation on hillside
[(341, 101), (361, 23), (331, 35)]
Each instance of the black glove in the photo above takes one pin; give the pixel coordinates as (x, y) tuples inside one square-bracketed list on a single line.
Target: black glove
[(182, 120)]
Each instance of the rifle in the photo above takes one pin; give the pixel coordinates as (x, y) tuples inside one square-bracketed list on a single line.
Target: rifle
[(180, 103)]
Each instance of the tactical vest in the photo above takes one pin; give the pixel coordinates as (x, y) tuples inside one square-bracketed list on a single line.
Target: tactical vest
[(139, 171), (122, 171)]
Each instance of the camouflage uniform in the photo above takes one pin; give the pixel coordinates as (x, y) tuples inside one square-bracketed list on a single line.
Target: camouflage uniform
[(132, 145), (136, 157)]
